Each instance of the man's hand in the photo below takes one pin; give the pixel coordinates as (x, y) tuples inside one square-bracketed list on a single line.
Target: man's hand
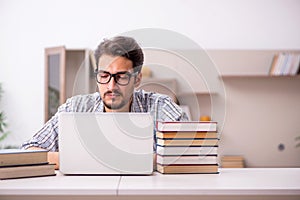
[(52, 156)]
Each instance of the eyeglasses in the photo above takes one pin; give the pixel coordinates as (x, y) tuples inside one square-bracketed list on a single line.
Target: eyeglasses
[(121, 78)]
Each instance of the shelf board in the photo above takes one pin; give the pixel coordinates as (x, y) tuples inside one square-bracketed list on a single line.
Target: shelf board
[(196, 93), (260, 76)]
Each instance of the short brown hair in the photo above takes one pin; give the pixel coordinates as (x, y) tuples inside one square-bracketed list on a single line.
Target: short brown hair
[(121, 46)]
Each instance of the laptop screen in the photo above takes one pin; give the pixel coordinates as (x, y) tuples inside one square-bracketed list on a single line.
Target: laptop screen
[(106, 143)]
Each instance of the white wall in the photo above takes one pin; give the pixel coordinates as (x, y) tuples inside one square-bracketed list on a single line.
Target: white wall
[(28, 26)]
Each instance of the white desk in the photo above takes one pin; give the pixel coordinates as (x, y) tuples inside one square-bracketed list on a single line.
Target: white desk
[(249, 183)]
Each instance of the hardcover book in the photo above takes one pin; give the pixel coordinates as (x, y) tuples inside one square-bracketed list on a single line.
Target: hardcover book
[(187, 150), (187, 142), (169, 160), (187, 169), (11, 157), (27, 171), (184, 134), (186, 126)]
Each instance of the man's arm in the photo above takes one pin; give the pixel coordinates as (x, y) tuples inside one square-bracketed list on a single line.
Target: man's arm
[(52, 156)]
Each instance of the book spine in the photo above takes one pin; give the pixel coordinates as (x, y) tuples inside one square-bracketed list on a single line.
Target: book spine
[(167, 160), (191, 135), (295, 65), (284, 64), (274, 64), (187, 150), (186, 126), (187, 142)]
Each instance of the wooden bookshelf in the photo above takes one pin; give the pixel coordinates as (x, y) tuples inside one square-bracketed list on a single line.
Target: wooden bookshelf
[(68, 72), (245, 62), (197, 93), (256, 103)]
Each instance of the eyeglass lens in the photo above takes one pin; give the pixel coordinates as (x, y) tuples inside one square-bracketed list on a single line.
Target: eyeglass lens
[(122, 78)]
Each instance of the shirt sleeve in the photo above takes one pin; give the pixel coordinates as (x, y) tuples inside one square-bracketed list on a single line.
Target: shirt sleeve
[(47, 136), (168, 110), (165, 109)]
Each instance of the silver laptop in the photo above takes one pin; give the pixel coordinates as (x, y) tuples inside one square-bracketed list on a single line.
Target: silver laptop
[(106, 143)]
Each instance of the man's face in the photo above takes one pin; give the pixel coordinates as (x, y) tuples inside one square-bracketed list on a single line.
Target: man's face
[(116, 97)]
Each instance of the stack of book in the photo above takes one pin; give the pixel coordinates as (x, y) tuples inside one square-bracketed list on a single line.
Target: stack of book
[(187, 147), (285, 64), (17, 163), (232, 162)]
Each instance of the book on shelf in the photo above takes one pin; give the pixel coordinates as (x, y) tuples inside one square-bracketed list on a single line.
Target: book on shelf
[(188, 169), (168, 160), (23, 171), (233, 165), (10, 157), (186, 126), (187, 142), (274, 64), (232, 158), (187, 134), (285, 63), (187, 150)]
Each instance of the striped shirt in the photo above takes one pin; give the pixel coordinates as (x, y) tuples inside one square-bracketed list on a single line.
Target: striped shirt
[(161, 107)]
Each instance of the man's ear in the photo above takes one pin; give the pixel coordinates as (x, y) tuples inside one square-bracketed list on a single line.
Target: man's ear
[(137, 80)]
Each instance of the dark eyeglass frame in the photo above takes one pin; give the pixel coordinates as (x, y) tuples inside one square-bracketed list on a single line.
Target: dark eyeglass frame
[(115, 76)]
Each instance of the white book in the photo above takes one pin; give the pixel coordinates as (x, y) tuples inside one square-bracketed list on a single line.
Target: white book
[(279, 64), (171, 150), (288, 64), (186, 126), (168, 160), (295, 64), (284, 64)]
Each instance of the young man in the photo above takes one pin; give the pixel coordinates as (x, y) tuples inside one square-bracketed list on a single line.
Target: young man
[(119, 62)]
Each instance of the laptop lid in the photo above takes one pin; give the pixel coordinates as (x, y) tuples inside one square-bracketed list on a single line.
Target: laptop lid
[(105, 143)]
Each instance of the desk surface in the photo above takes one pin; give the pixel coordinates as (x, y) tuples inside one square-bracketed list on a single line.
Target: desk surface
[(229, 182), (248, 181)]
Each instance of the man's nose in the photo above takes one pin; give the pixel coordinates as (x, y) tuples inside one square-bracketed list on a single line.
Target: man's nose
[(112, 83)]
